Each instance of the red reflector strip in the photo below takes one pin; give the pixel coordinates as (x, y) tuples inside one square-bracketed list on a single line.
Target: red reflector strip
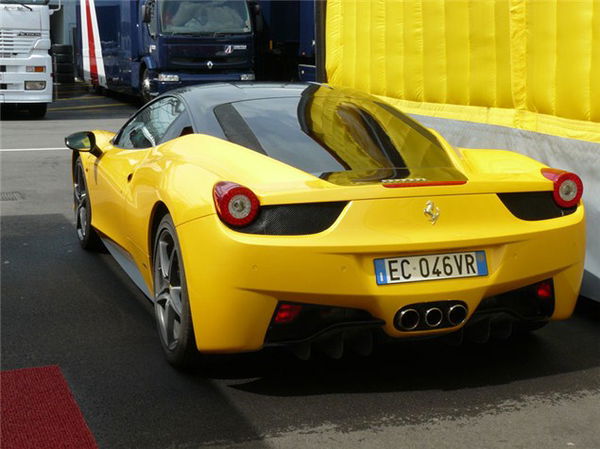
[(544, 290), (286, 313), (423, 184)]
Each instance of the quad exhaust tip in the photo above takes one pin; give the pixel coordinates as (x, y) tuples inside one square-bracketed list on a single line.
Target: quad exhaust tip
[(408, 319), (433, 317), (457, 314)]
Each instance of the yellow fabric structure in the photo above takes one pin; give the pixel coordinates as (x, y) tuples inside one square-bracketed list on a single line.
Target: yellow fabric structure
[(530, 64)]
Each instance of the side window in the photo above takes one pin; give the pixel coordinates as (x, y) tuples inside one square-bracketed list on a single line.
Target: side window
[(149, 127)]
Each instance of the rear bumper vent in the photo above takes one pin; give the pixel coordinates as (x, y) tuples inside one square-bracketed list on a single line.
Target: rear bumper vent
[(295, 219)]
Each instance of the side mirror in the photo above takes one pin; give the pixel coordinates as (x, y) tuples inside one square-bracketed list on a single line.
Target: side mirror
[(83, 141), (259, 22), (54, 9), (147, 12)]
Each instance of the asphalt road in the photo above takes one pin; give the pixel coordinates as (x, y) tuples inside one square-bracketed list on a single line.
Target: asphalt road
[(62, 305)]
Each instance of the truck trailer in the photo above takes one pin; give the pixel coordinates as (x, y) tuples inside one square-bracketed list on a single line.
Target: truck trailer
[(25, 64)]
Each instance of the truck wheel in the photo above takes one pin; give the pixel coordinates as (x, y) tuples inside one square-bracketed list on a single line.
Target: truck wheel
[(37, 110), (64, 67), (61, 49), (63, 58), (145, 87), (64, 78)]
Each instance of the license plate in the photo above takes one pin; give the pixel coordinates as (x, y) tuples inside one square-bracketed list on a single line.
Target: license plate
[(433, 266)]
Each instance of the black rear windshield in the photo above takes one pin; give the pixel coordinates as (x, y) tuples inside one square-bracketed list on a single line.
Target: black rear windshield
[(342, 139)]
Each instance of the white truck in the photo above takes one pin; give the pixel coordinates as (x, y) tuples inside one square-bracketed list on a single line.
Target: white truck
[(25, 64)]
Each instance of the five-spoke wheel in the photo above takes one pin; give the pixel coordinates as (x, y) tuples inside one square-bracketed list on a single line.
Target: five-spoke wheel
[(171, 303), (86, 235)]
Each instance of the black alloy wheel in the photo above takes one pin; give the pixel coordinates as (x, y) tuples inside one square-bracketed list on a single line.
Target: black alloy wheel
[(171, 304), (86, 234)]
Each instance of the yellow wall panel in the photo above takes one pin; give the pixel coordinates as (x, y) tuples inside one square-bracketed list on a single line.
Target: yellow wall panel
[(457, 52), (532, 64), (434, 87)]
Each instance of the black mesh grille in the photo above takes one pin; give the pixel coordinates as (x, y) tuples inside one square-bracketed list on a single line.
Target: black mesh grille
[(294, 219), (534, 205)]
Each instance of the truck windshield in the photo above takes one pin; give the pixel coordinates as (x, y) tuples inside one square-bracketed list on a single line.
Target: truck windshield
[(26, 2), (204, 17)]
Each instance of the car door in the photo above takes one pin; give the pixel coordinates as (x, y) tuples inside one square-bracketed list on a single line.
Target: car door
[(115, 168)]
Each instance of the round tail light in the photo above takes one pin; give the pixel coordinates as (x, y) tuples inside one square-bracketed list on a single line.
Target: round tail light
[(236, 205), (568, 187)]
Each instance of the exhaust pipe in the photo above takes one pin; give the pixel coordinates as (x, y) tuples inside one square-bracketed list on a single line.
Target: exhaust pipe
[(457, 314), (408, 319), (433, 317)]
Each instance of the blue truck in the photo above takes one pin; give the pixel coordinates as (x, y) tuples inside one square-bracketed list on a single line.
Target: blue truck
[(146, 47)]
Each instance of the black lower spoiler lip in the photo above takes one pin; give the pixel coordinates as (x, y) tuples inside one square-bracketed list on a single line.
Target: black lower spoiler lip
[(330, 331)]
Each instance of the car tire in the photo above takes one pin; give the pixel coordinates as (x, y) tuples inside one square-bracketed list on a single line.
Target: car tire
[(37, 110), (145, 87), (171, 302), (86, 234)]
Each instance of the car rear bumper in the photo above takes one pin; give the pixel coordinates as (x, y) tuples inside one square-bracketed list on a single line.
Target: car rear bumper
[(236, 280)]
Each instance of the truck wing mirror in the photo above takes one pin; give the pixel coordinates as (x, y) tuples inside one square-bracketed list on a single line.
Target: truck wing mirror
[(258, 19), (55, 8), (147, 12)]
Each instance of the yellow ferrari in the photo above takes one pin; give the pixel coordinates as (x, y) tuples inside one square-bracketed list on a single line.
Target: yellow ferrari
[(308, 216)]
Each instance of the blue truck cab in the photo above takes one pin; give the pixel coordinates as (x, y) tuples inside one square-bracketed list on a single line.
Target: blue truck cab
[(146, 47)]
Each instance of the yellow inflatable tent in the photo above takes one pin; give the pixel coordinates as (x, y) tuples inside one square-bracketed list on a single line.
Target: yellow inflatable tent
[(530, 64)]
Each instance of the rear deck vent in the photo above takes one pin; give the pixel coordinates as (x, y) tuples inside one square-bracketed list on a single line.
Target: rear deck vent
[(11, 196)]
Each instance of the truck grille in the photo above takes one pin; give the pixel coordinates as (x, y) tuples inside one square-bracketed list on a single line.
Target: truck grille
[(12, 44)]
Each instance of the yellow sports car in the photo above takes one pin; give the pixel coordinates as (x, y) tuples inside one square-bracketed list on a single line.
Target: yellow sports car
[(305, 216)]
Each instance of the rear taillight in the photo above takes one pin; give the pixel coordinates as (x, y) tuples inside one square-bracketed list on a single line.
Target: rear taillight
[(236, 205), (568, 187)]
